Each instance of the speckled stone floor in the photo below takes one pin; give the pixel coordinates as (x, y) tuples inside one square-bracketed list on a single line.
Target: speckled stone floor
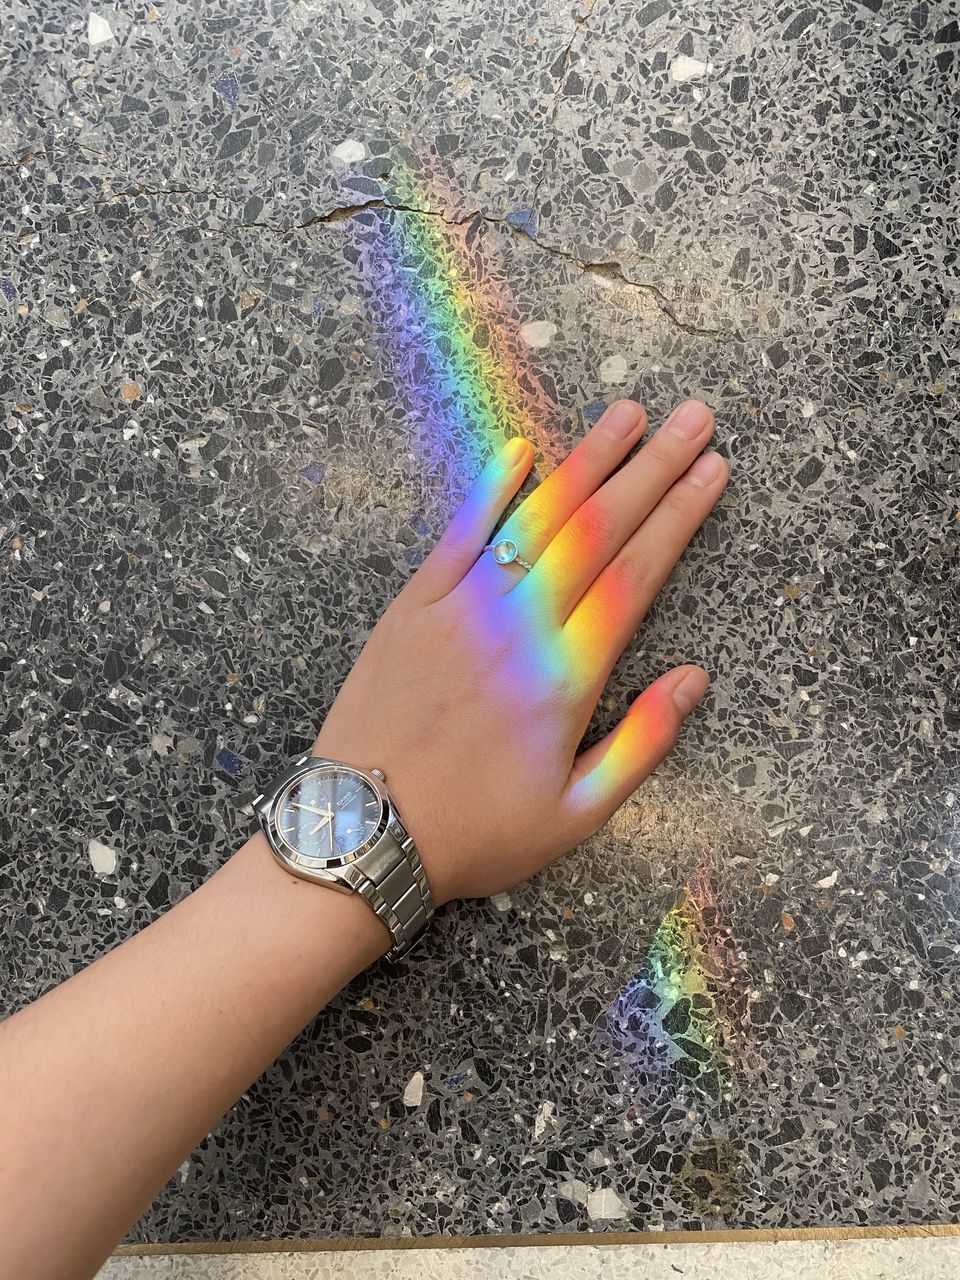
[(274, 278)]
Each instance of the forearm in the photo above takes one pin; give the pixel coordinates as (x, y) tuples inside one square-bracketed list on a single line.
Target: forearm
[(109, 1081)]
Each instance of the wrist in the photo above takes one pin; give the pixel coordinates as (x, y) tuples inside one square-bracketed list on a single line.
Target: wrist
[(313, 936)]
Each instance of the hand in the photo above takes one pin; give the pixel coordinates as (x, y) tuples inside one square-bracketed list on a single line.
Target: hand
[(477, 684)]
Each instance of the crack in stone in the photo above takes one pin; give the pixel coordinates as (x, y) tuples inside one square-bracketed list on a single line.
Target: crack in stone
[(611, 272), (27, 158)]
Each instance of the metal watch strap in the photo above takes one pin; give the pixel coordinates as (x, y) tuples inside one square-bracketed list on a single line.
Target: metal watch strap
[(392, 880), (389, 875)]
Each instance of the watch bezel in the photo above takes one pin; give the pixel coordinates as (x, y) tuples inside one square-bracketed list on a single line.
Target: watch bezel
[(304, 862)]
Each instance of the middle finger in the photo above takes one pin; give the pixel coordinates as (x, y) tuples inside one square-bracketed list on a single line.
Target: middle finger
[(543, 514), (599, 527)]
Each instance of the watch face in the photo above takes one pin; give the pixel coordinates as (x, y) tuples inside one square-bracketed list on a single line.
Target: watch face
[(328, 813)]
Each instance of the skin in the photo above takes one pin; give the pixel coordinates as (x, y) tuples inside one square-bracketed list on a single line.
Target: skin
[(472, 695)]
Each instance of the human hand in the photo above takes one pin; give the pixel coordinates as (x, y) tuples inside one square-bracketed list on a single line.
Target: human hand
[(475, 688)]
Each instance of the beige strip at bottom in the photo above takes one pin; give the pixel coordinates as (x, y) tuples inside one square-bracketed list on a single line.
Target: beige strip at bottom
[(857, 1255)]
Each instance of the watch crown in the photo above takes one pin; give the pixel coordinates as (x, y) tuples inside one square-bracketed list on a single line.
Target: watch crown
[(378, 773)]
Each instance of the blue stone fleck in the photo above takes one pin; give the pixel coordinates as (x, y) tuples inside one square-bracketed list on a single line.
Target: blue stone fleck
[(228, 87), (229, 762), (523, 219), (314, 472)]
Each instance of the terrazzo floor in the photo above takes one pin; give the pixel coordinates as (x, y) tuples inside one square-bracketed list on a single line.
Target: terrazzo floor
[(274, 279)]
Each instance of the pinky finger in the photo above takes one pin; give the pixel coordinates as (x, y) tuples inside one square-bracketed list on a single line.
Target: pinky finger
[(605, 775), (470, 529)]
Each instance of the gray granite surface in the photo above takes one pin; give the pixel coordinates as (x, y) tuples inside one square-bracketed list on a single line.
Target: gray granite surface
[(274, 278)]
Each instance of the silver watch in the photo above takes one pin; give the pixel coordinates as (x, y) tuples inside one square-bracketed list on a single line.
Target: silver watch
[(338, 825)]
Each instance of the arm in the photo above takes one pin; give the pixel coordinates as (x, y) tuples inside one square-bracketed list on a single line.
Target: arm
[(108, 1082), (472, 694)]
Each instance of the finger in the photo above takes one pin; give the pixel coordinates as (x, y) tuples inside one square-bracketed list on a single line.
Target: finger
[(599, 528), (612, 608), (605, 775), (471, 527), (544, 513)]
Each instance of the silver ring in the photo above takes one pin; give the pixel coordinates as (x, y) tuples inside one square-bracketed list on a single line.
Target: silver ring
[(505, 551)]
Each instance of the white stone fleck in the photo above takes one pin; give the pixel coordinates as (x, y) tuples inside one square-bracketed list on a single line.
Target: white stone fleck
[(119, 902), (103, 859), (98, 29), (574, 1190), (683, 69), (502, 901), (605, 1203), (538, 333), (828, 881), (413, 1093), (241, 554), (808, 408), (543, 1118), (184, 1171), (350, 151), (613, 369), (588, 899)]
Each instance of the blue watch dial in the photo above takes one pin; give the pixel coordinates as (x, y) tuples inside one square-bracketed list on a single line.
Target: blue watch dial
[(328, 813)]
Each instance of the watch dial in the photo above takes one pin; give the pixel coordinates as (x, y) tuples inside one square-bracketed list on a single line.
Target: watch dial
[(328, 814)]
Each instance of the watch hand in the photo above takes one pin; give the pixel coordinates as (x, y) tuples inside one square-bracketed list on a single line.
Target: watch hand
[(327, 813), (319, 826)]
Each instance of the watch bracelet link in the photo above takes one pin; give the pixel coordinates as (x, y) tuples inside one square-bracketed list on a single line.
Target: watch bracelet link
[(396, 889)]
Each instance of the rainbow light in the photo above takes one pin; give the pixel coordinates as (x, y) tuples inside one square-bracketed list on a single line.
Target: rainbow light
[(452, 337), (674, 1018)]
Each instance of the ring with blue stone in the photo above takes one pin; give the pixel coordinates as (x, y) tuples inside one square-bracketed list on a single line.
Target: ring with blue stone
[(505, 551)]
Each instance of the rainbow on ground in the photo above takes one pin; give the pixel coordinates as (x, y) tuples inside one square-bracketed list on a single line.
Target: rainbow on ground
[(452, 333), (674, 1018)]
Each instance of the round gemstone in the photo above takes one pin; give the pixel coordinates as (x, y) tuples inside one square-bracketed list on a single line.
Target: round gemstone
[(504, 551)]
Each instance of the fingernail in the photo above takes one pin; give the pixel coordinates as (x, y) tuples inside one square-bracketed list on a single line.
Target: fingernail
[(514, 451), (688, 692), (705, 470), (622, 419), (688, 420)]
